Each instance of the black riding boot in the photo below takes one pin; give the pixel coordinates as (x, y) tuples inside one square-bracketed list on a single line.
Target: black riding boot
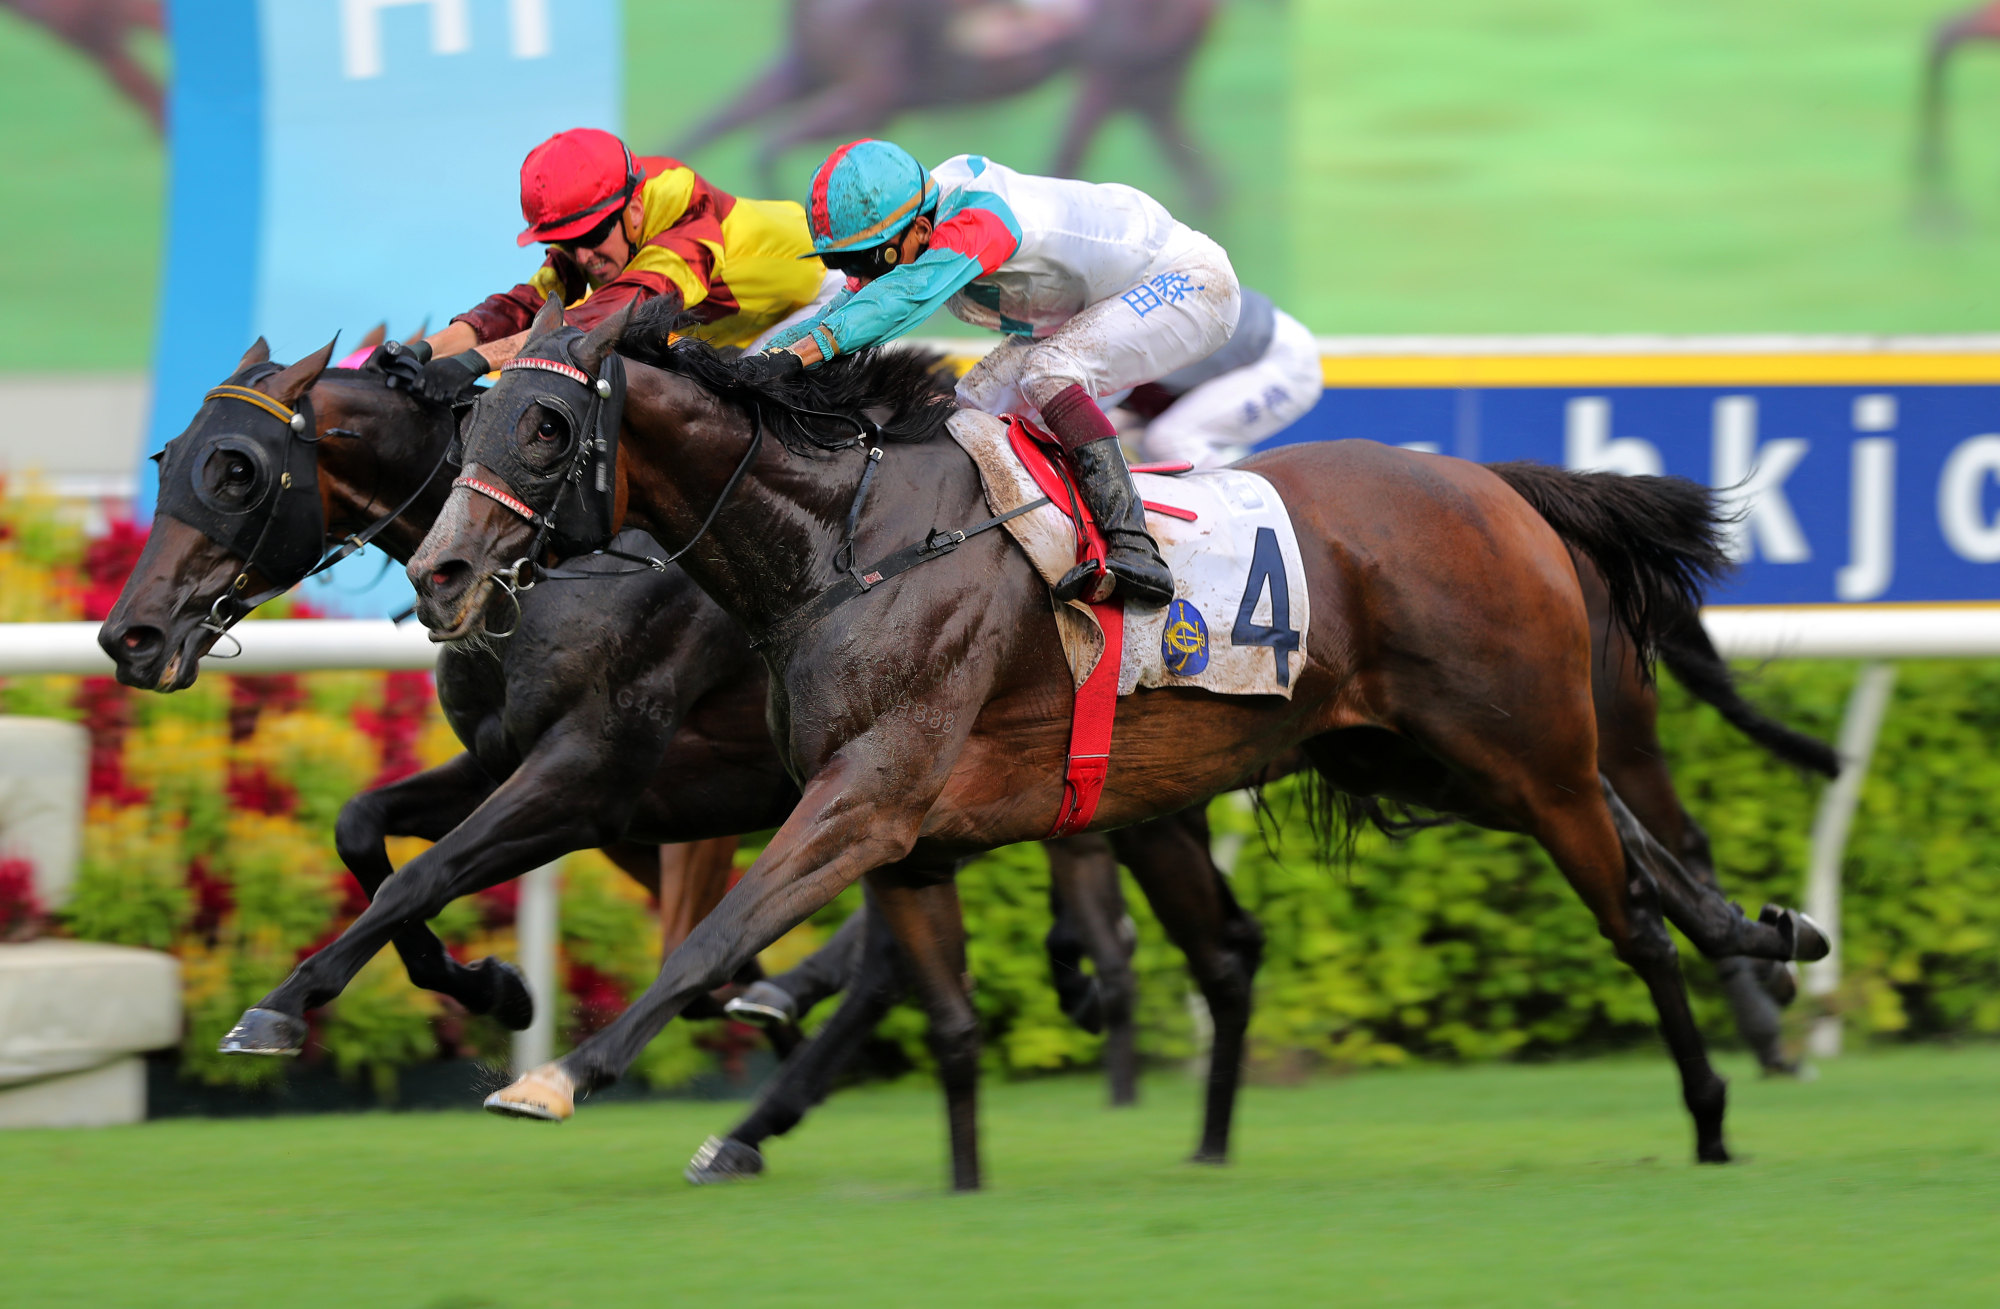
[(1107, 487)]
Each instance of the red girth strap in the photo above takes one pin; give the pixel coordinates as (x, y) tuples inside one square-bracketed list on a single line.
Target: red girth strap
[(1090, 726)]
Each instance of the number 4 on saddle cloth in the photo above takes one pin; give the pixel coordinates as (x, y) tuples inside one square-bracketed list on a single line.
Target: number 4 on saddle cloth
[(1240, 614)]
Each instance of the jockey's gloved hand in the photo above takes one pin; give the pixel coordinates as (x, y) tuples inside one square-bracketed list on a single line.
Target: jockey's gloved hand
[(402, 366), (447, 380), (773, 365)]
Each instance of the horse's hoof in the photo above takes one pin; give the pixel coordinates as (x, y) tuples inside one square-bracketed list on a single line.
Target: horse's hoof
[(723, 1159), (546, 1095), (1085, 1008), (762, 1004), (513, 1004), (1808, 942), (265, 1031), (1714, 1152), (1212, 1158)]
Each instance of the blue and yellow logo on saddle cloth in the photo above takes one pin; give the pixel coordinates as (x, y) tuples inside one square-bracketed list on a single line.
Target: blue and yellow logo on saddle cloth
[(1184, 641)]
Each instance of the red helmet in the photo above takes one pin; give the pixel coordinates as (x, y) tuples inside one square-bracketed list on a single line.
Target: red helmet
[(571, 181)]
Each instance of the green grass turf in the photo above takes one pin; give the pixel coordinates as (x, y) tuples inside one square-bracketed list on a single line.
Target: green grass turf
[(1614, 165), (1502, 1185)]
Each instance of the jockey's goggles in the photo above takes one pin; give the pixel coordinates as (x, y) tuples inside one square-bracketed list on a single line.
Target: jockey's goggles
[(869, 263), (597, 235)]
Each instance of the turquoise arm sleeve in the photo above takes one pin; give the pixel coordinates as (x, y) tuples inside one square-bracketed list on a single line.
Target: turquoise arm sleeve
[(800, 331), (894, 303)]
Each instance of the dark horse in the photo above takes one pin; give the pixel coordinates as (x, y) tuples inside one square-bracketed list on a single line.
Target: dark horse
[(1449, 669), (627, 709), (850, 66)]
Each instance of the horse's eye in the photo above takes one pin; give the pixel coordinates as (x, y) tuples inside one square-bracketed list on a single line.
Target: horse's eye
[(550, 430), (236, 472)]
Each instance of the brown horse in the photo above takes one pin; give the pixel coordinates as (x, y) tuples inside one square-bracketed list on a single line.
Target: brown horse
[(1449, 669), (850, 66)]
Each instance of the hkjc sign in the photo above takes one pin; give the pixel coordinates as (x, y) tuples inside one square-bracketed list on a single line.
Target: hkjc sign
[(336, 163), (1857, 471)]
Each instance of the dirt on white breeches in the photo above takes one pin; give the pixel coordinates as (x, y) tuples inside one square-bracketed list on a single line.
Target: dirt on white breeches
[(1218, 421), (1181, 311)]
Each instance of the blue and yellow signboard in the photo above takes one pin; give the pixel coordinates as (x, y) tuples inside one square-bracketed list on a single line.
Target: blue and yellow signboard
[(1858, 472)]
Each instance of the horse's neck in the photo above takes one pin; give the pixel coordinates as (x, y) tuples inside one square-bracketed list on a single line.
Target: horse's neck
[(772, 544), (395, 450)]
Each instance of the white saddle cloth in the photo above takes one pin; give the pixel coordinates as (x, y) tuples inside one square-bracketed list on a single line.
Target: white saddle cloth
[(1241, 610)]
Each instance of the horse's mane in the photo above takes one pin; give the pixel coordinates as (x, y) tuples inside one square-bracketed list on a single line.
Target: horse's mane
[(906, 392)]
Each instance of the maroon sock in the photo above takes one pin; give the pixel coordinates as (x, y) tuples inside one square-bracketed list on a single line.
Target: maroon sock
[(1075, 418)]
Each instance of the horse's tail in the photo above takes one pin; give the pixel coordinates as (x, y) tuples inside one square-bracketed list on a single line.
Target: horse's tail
[(1698, 666), (1656, 541)]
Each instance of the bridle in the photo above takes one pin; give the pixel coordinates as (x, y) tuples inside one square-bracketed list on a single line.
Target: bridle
[(596, 445), (284, 546)]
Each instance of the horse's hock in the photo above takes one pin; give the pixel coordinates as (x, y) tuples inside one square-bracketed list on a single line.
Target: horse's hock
[(74, 1015)]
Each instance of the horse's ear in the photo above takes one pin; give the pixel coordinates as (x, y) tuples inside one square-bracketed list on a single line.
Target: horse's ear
[(288, 386), (376, 336), (258, 353), (547, 319), (423, 330), (604, 338)]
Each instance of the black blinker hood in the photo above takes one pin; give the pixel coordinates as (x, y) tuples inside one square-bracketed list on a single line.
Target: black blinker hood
[(575, 498), (283, 547)]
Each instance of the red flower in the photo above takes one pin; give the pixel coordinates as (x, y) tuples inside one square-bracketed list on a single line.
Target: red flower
[(599, 998), (251, 696), (398, 724), (107, 562), (259, 792), (107, 716), (213, 898), (499, 905), (20, 907)]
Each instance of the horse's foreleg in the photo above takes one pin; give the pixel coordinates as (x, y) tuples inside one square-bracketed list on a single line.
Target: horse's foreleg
[(1169, 858), (1088, 906), (830, 840), (874, 983), (537, 815), (427, 806), (920, 906)]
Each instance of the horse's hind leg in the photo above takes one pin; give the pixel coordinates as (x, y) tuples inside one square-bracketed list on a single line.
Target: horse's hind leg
[(1088, 908), (1584, 841), (874, 983), (920, 907), (428, 805), (1170, 860), (1717, 927)]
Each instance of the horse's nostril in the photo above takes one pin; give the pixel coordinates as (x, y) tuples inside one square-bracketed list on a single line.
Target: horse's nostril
[(440, 577), (133, 641)]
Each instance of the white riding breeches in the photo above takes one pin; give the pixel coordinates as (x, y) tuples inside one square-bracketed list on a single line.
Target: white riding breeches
[(1217, 422), (1182, 310)]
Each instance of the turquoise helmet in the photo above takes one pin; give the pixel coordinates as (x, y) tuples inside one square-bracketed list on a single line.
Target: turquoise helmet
[(864, 194)]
